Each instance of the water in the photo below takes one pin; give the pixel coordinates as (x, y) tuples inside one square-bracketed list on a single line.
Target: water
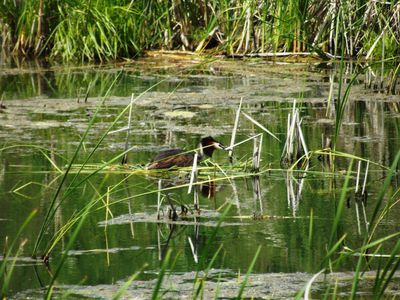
[(42, 110)]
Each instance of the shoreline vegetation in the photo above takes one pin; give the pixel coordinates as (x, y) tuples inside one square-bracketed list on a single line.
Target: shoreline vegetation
[(105, 30)]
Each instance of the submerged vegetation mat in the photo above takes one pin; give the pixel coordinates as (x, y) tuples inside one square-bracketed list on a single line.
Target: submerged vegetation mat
[(222, 283)]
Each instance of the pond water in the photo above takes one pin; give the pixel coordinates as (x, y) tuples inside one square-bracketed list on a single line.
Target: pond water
[(44, 112)]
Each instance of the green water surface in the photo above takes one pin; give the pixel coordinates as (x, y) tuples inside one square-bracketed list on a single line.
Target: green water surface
[(42, 109)]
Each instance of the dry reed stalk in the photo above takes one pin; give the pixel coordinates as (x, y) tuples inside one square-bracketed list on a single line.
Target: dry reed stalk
[(259, 150), (365, 178), (196, 201), (193, 174), (257, 192), (255, 166), (159, 198), (301, 136), (242, 142), (159, 243), (195, 257), (128, 132), (295, 145), (235, 127), (257, 145), (358, 176), (260, 125)]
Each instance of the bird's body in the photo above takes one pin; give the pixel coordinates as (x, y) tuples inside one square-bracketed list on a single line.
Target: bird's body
[(181, 158), (170, 158)]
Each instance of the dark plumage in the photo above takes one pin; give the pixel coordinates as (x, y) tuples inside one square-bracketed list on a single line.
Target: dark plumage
[(181, 158)]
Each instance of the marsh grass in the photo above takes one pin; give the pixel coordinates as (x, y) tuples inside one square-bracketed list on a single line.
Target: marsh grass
[(388, 263), (295, 144), (53, 204), (230, 172), (59, 267), (240, 169), (124, 29), (6, 269), (249, 271), (102, 202), (126, 285), (331, 261)]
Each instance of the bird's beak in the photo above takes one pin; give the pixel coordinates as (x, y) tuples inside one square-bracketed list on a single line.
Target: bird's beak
[(219, 146)]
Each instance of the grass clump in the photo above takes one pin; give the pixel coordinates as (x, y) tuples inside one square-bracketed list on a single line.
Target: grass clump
[(107, 30)]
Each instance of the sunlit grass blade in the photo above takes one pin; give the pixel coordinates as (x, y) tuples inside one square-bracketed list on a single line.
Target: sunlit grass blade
[(249, 271), (17, 235), (6, 274), (50, 210), (9, 271), (309, 284), (161, 276), (340, 206), (200, 282), (53, 207), (126, 285), (64, 256), (383, 191), (384, 276)]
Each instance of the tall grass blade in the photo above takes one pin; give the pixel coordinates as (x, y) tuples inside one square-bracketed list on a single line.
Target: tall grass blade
[(200, 286), (17, 235), (385, 276), (339, 209), (53, 207), (5, 274), (9, 272), (161, 275), (126, 285), (311, 227), (50, 211), (203, 258), (309, 284), (64, 257), (383, 191), (249, 270)]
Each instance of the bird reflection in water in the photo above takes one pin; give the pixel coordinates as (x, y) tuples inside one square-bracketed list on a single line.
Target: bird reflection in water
[(207, 190)]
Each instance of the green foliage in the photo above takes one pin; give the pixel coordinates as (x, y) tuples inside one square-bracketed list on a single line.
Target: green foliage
[(108, 30)]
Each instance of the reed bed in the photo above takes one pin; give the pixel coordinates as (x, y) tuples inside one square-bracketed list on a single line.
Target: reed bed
[(107, 30)]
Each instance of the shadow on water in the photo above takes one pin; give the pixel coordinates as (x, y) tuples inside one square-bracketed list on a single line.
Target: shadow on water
[(41, 107)]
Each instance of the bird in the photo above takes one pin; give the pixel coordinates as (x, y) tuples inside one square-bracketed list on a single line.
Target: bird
[(182, 158)]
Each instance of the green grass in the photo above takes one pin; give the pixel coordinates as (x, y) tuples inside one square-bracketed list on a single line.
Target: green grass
[(108, 30), (6, 270)]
